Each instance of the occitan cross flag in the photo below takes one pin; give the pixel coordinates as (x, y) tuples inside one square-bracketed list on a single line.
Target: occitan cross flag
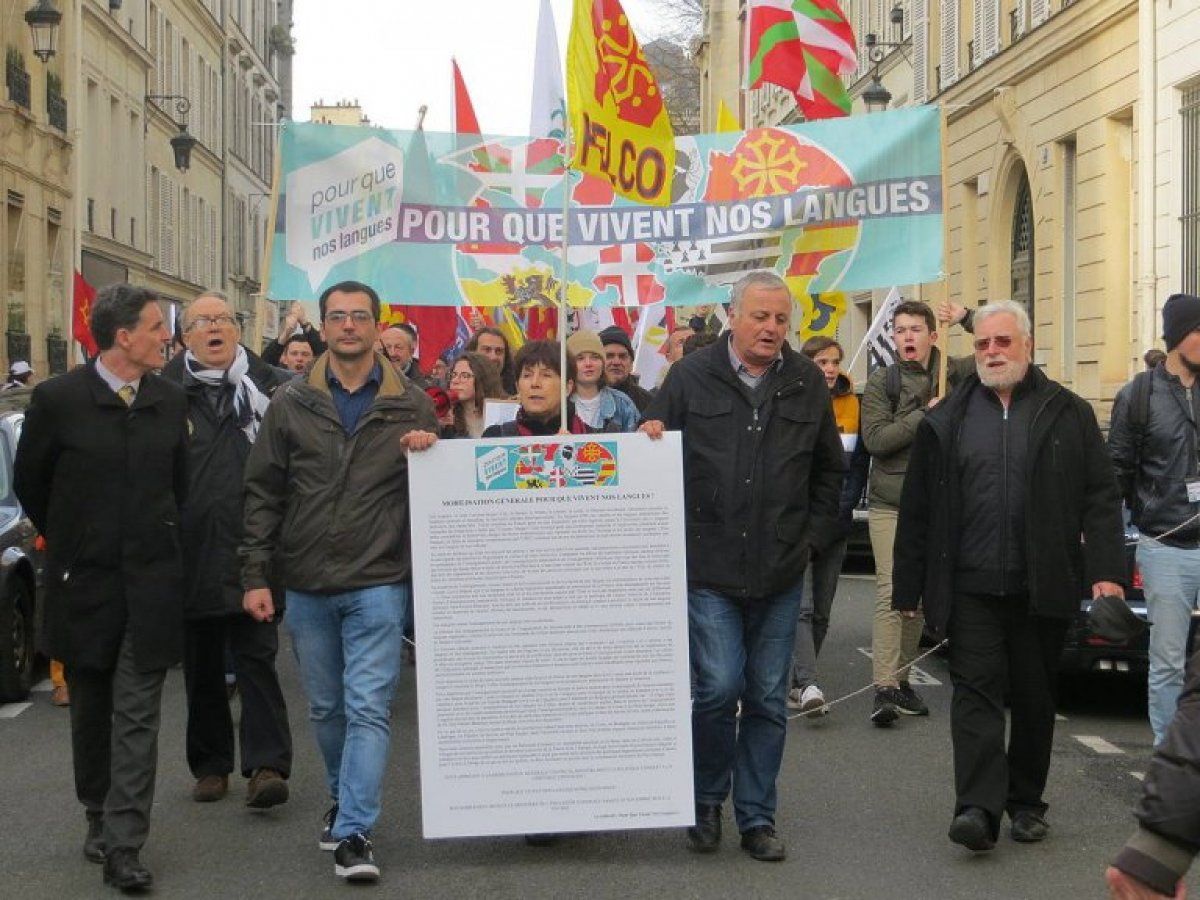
[(619, 122)]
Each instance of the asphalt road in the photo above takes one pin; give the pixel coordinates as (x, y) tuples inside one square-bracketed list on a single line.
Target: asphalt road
[(864, 812)]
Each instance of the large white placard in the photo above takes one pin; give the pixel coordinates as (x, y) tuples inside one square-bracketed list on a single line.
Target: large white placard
[(551, 617)]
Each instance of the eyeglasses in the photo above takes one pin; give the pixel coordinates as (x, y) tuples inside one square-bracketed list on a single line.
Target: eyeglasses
[(464, 376), (358, 317), (206, 321), (1002, 342)]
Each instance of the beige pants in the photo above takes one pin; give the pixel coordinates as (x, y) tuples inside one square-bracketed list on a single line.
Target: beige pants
[(895, 640)]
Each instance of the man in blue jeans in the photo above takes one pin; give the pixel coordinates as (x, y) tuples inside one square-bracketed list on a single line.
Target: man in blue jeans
[(763, 468), (327, 503), (1153, 443)]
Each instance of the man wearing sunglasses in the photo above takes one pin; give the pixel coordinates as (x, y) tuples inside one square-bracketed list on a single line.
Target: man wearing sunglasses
[(1005, 477), (327, 504)]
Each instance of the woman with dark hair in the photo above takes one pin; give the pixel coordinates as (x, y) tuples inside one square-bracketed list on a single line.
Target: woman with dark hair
[(493, 345), (473, 379), (539, 389), (825, 567)]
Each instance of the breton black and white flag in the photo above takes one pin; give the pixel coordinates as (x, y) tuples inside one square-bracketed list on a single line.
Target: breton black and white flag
[(879, 340)]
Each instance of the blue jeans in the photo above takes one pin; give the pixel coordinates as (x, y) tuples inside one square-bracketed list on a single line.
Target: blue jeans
[(1172, 585), (741, 650), (348, 648)]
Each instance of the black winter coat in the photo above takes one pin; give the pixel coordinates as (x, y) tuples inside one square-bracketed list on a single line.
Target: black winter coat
[(758, 496), (1071, 493), (211, 518), (104, 483)]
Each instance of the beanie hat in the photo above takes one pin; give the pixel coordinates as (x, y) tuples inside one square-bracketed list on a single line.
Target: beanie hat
[(615, 334), (584, 341), (1181, 316)]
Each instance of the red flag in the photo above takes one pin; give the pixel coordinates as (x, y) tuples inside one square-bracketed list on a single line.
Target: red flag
[(464, 111), (81, 315), (439, 329)]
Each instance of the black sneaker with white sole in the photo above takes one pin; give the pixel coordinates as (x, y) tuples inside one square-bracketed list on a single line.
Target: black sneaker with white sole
[(328, 841), (354, 859), (909, 702), (885, 711)]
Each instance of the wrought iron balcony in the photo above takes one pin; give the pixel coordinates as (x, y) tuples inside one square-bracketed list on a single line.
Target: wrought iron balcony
[(17, 81), (56, 111)]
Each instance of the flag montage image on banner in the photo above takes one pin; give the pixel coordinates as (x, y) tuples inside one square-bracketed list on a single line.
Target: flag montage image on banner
[(620, 127), (440, 219)]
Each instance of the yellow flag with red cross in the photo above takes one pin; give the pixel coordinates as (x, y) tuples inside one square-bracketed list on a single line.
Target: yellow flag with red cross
[(619, 120)]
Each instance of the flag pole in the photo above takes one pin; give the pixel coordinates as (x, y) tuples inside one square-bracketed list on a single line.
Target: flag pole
[(944, 336), (563, 274)]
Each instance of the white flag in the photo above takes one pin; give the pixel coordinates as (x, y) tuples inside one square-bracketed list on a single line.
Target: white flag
[(650, 341), (879, 341), (547, 115)]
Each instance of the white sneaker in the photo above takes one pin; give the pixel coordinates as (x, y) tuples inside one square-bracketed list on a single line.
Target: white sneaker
[(793, 698), (812, 702)]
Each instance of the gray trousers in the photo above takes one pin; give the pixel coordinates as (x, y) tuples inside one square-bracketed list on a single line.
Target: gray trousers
[(114, 742)]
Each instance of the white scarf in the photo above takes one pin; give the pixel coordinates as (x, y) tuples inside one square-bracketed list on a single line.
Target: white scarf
[(249, 403)]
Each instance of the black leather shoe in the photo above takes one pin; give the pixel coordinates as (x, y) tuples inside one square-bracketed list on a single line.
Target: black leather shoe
[(124, 871), (761, 843), (705, 835), (93, 844), (1028, 827), (972, 829)]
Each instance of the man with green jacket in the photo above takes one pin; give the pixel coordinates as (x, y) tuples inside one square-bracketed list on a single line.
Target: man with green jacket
[(894, 402), (327, 503)]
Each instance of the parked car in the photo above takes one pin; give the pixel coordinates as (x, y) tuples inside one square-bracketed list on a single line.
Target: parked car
[(21, 616)]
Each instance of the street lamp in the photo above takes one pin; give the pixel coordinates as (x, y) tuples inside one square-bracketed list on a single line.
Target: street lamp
[(876, 96), (182, 143), (43, 22)]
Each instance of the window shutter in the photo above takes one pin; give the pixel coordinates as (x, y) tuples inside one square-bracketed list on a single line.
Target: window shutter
[(920, 43), (949, 43), (1039, 12), (213, 276), (991, 29), (1021, 26)]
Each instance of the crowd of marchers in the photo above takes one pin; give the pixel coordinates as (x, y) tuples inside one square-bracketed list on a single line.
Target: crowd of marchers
[(194, 496)]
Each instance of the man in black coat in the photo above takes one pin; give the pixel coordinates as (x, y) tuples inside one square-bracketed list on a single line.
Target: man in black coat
[(763, 468), (618, 367), (101, 472), (1006, 476), (228, 389)]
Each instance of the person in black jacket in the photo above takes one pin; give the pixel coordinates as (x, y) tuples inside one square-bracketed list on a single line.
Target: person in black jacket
[(618, 367), (101, 470), (1153, 446), (294, 323), (228, 389), (763, 468), (1158, 855), (1006, 474)]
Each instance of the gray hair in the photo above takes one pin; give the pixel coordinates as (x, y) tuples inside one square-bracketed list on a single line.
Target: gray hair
[(998, 307), (755, 279), (215, 295)]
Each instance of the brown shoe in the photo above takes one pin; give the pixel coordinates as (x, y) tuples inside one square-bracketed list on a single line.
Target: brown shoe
[(61, 696), (210, 788), (267, 788)]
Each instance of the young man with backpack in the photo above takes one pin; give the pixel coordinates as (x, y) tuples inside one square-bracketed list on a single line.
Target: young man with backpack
[(1153, 444), (894, 402)]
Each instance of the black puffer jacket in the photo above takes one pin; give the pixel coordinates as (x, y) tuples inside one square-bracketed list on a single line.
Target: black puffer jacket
[(211, 520), (1070, 493), (1153, 464), (762, 482)]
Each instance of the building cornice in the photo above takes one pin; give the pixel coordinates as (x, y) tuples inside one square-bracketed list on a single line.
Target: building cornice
[(115, 250)]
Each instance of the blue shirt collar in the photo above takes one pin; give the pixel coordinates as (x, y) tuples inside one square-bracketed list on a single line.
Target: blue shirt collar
[(375, 376)]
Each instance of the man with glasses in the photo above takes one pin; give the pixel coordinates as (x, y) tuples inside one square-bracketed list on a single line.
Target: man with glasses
[(228, 389), (327, 504), (1005, 476)]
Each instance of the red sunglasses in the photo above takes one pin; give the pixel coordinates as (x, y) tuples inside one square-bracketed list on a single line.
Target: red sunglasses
[(1002, 342)]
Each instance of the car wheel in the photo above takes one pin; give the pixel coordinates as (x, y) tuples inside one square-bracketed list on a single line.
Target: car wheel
[(17, 648)]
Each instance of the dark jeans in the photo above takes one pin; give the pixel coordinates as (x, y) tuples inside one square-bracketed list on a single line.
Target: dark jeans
[(263, 733), (740, 650), (998, 649), (114, 743), (813, 622)]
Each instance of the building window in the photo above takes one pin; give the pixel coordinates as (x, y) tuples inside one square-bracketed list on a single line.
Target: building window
[(1022, 249), (1190, 212)]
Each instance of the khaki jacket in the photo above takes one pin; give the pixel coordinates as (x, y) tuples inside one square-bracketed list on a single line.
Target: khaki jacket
[(331, 509)]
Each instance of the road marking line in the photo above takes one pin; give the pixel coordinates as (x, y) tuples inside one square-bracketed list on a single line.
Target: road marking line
[(43, 687), (918, 676), (12, 710), (1099, 744), (1140, 776)]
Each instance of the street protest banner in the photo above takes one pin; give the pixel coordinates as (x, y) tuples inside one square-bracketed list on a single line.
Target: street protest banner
[(551, 619), (443, 219)]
